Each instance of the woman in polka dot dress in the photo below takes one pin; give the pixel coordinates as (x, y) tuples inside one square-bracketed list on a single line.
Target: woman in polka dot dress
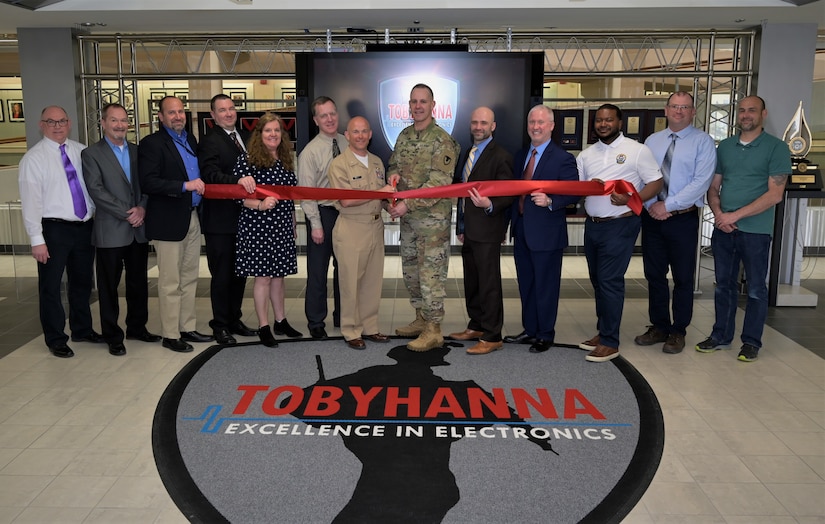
[(266, 229)]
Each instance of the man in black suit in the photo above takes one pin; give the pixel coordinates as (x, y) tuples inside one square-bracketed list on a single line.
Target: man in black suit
[(539, 227), (480, 227), (111, 173), (218, 153), (170, 175)]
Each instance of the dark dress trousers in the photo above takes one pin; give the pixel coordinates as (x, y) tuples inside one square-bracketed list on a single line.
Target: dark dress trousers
[(119, 245), (483, 235), (217, 156), (540, 238)]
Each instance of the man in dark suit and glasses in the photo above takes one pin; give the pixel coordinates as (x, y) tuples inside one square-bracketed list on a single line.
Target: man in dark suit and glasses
[(111, 173), (169, 174), (218, 153), (539, 227), (480, 226)]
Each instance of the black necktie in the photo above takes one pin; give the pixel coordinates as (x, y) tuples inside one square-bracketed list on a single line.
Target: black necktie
[(335, 150)]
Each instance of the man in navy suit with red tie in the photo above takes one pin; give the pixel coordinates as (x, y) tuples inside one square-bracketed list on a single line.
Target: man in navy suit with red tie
[(539, 227), (480, 227)]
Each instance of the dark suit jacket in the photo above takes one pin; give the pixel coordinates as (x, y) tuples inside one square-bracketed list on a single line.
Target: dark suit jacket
[(546, 230), (113, 195), (217, 156), (495, 163), (162, 175)]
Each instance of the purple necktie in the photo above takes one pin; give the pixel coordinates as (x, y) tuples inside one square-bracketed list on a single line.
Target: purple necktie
[(74, 185)]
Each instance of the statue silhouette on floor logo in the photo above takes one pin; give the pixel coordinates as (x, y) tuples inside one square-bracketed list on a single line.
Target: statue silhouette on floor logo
[(404, 478)]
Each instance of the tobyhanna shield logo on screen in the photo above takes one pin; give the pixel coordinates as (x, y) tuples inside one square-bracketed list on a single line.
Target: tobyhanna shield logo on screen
[(394, 103)]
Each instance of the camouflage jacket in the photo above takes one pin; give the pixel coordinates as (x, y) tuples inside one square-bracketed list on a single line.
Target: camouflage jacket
[(425, 159)]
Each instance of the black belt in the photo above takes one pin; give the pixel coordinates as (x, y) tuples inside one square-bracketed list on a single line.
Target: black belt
[(683, 211), (70, 222), (606, 219)]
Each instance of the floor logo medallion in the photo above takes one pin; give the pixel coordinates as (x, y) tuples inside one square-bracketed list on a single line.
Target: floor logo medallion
[(314, 432)]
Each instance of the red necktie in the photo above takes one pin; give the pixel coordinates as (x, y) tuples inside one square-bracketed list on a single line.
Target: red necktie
[(528, 175)]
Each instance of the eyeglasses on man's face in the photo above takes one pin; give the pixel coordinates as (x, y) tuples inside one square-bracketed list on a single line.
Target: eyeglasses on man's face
[(680, 107), (56, 123)]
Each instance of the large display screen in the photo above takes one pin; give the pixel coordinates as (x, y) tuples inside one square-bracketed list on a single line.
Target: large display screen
[(377, 85)]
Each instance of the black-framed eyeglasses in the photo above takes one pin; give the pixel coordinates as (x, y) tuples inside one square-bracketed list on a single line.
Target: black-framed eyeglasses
[(56, 123)]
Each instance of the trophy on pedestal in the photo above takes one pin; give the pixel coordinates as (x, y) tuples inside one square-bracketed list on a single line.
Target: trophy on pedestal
[(804, 174)]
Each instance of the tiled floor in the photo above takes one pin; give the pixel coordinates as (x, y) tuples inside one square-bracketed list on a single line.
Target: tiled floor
[(745, 443)]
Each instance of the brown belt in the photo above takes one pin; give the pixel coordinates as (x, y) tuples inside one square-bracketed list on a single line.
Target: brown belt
[(605, 219), (686, 210)]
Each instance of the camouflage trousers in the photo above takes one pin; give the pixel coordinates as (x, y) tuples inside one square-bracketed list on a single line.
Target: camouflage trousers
[(425, 256)]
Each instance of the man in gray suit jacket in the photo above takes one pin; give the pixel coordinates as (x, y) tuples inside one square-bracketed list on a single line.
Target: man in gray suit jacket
[(110, 170)]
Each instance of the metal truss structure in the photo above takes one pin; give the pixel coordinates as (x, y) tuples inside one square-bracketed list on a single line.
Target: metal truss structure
[(618, 67)]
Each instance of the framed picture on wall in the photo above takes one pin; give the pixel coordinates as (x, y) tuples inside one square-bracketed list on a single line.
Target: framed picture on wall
[(2, 112), (288, 96), (16, 110), (239, 97), (184, 97)]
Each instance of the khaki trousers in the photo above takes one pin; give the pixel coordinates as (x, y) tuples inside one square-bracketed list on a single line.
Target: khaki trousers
[(178, 280)]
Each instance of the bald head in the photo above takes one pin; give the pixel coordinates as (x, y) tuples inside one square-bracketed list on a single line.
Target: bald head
[(482, 124), (358, 134)]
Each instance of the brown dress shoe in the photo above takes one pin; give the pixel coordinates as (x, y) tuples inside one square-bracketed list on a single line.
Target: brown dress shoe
[(653, 335), (377, 337), (356, 343), (675, 343), (590, 345), (602, 354), (483, 347), (467, 334)]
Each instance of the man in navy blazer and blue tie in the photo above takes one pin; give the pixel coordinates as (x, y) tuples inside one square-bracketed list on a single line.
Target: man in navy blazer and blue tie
[(539, 228)]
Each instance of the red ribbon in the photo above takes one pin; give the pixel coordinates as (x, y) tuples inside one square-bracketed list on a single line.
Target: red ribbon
[(488, 188)]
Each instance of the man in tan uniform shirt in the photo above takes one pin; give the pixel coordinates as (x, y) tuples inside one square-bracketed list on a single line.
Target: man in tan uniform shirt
[(358, 236)]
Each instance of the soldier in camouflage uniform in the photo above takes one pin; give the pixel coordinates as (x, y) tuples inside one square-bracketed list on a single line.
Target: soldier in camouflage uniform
[(424, 156)]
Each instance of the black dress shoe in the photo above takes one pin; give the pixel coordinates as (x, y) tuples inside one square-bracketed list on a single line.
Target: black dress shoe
[(540, 346), (223, 337), (117, 349), (282, 327), (94, 338), (241, 329), (521, 338), (176, 344), (265, 334), (318, 333), (194, 336), (144, 337), (61, 350)]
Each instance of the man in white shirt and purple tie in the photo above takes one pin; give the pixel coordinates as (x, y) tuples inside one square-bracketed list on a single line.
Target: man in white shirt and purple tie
[(57, 213)]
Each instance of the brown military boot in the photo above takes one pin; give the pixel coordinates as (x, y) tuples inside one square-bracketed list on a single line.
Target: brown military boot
[(414, 328), (430, 338)]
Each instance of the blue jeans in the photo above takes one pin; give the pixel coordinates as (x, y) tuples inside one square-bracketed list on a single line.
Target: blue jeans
[(608, 247), (752, 250)]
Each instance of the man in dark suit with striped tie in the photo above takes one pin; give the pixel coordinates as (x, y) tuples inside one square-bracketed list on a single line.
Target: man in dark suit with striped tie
[(218, 153), (480, 227), (539, 227)]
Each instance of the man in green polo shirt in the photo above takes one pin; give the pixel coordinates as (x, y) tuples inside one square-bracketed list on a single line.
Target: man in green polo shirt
[(751, 170)]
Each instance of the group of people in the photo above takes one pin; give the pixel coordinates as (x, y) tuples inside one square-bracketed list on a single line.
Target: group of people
[(113, 197)]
